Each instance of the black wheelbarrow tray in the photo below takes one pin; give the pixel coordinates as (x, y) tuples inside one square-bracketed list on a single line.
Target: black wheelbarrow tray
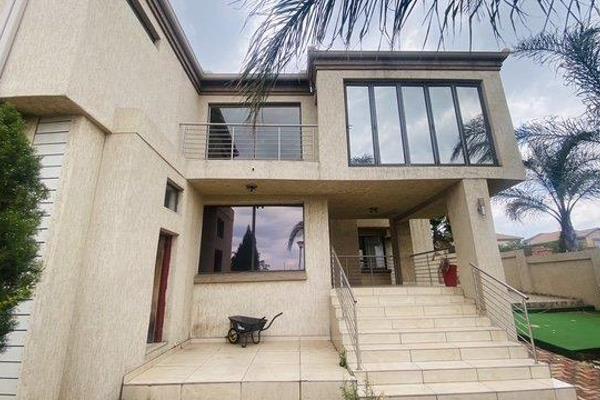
[(241, 327)]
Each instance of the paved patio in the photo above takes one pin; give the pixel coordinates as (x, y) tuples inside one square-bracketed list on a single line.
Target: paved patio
[(273, 369)]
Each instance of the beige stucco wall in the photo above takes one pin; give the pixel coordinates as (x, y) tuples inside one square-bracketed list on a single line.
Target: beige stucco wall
[(304, 303), (97, 284), (575, 275), (101, 59)]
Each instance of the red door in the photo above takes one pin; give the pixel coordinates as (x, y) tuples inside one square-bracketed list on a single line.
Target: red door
[(159, 292)]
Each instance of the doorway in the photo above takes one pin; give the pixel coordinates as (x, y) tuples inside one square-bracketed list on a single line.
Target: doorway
[(159, 291)]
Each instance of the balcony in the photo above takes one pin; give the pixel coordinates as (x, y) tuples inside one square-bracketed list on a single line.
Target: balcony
[(235, 141)]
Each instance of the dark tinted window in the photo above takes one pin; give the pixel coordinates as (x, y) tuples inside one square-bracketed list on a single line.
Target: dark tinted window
[(172, 196), (233, 135), (433, 124), (256, 238)]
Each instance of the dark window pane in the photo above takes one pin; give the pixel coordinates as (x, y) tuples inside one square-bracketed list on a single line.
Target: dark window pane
[(172, 196), (255, 239), (477, 140), (417, 125), (232, 135), (388, 125), (280, 238), (359, 125), (218, 260), (446, 126), (220, 228)]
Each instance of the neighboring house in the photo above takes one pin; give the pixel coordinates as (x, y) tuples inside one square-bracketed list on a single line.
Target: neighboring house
[(546, 243), (159, 188), (504, 240)]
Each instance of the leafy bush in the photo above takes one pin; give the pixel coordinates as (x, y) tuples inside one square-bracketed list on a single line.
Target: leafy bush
[(20, 193)]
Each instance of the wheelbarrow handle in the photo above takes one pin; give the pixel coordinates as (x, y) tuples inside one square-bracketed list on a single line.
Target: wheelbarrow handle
[(270, 323)]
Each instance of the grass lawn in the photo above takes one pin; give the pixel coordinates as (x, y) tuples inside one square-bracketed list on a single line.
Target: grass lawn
[(574, 331)]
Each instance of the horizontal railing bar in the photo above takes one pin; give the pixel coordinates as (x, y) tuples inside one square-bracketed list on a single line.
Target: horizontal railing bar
[(208, 124), (506, 285), (429, 252)]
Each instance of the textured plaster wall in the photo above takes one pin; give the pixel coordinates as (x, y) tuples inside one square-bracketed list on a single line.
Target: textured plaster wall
[(102, 60), (304, 303), (56, 295), (574, 275)]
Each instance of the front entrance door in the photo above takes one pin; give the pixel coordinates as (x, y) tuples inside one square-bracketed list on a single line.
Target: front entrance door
[(372, 248), (161, 275)]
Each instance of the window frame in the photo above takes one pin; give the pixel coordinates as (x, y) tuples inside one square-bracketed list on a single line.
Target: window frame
[(141, 15), (264, 205), (178, 191), (425, 85)]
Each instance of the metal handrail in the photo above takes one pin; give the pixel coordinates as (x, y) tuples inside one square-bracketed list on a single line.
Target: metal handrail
[(366, 262), (247, 141), (426, 272), (492, 296), (347, 301)]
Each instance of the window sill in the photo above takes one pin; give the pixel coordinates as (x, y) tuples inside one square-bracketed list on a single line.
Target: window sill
[(237, 277)]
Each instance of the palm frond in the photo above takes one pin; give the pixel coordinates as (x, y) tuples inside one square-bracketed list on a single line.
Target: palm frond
[(576, 53), (289, 27)]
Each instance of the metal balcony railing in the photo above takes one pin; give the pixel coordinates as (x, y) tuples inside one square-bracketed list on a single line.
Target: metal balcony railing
[(213, 141), (427, 266)]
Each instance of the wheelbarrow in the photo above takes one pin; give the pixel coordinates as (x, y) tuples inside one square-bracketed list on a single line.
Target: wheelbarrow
[(241, 327)]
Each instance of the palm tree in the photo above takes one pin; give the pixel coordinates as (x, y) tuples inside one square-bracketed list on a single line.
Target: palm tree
[(296, 231), (560, 173), (288, 27), (574, 52)]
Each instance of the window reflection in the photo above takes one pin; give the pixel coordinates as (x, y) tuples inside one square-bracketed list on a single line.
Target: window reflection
[(359, 125), (233, 136), (417, 125), (433, 130), (477, 141), (446, 126), (388, 125), (255, 238)]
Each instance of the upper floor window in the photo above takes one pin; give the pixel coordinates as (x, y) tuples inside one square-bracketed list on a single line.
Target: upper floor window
[(276, 135), (138, 10), (172, 193), (417, 124)]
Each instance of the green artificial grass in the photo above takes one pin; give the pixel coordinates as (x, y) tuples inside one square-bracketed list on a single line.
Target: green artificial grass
[(574, 331)]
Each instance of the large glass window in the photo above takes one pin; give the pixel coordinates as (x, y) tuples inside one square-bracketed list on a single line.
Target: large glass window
[(433, 124), (446, 125), (417, 125), (275, 135), (255, 238), (359, 126), (391, 149)]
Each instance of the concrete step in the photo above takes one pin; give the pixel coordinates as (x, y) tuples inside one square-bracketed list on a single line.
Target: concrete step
[(393, 300), (432, 335), (452, 371), (399, 323), (446, 351), (523, 389), (426, 310)]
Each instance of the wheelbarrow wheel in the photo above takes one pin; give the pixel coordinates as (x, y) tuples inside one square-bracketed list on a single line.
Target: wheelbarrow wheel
[(256, 340), (233, 336)]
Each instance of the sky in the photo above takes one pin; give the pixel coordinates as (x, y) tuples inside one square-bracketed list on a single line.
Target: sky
[(220, 34)]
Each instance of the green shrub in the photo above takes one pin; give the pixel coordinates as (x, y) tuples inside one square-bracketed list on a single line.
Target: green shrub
[(20, 193)]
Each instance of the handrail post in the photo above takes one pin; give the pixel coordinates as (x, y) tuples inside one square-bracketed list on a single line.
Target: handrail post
[(530, 331), (477, 290), (232, 141), (278, 143), (358, 356)]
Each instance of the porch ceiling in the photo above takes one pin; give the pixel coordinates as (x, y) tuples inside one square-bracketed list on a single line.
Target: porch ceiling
[(347, 199)]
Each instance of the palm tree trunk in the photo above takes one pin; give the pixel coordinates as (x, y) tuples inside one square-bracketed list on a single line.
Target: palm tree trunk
[(568, 237)]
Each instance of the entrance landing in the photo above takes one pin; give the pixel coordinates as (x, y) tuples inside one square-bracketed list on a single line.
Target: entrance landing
[(274, 369)]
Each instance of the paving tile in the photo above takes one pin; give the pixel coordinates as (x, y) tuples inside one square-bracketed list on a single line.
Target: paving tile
[(272, 372), (161, 375), (155, 392), (211, 391), (271, 391)]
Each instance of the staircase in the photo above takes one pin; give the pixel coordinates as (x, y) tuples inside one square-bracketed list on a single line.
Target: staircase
[(429, 343)]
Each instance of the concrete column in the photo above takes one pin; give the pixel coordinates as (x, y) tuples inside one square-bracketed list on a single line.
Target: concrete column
[(409, 237), (474, 234)]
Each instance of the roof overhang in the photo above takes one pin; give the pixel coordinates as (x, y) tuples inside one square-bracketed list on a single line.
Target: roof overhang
[(404, 60)]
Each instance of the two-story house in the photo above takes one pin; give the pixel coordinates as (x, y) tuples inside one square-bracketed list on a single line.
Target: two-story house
[(169, 211)]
